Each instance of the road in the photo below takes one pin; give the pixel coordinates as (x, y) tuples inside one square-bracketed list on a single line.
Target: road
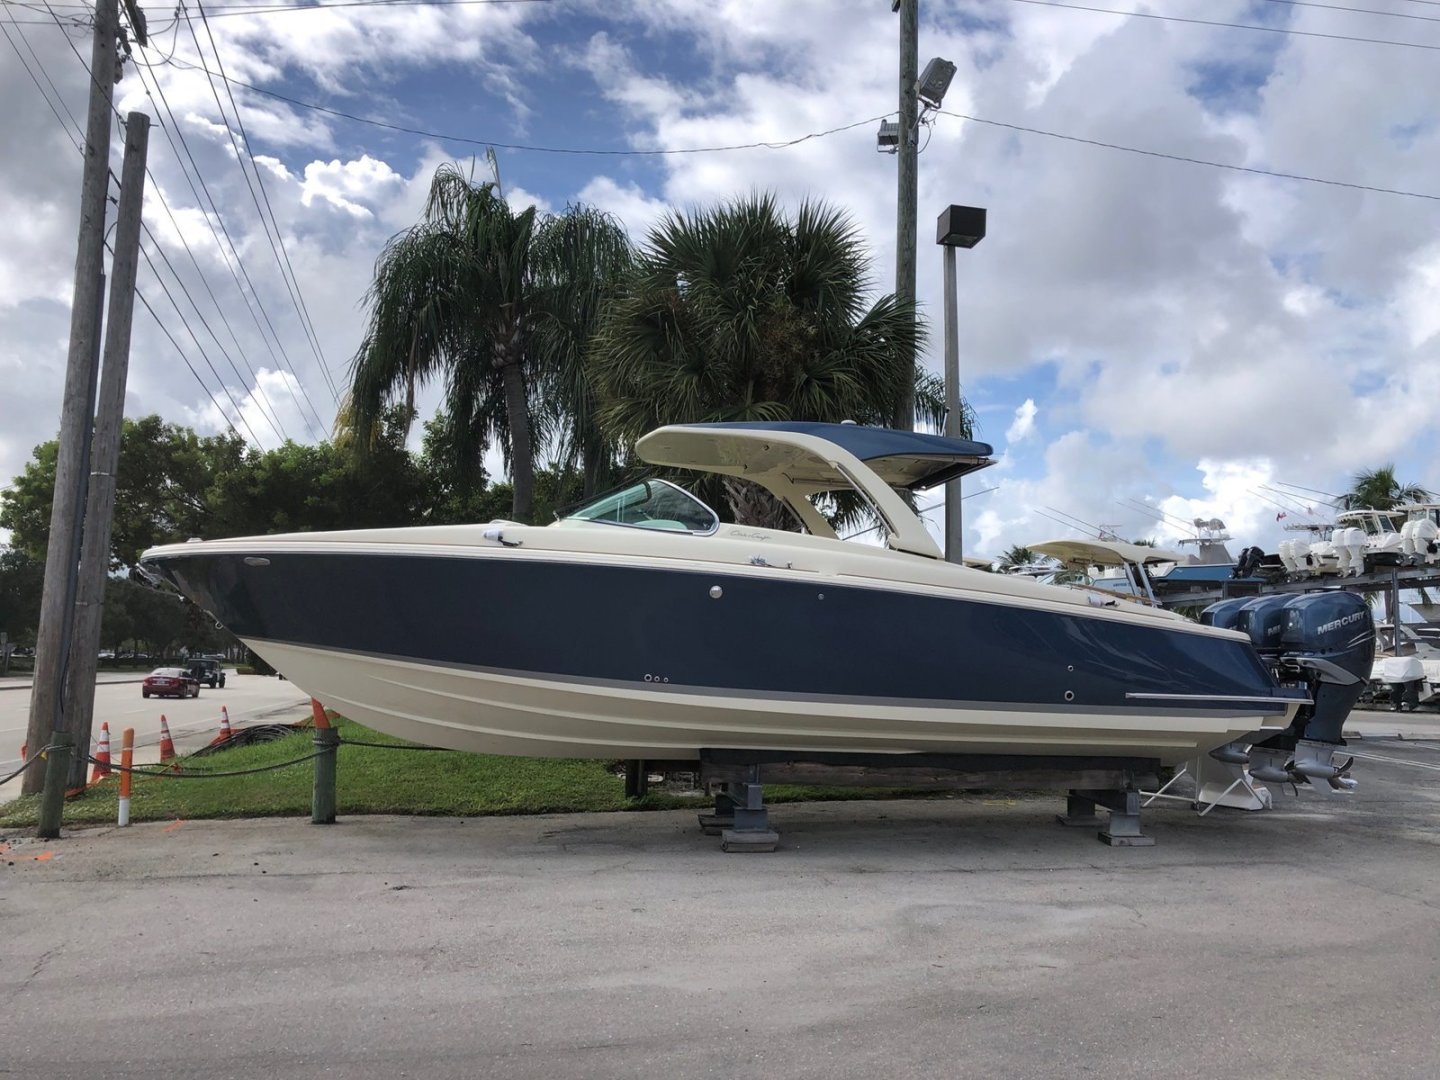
[(900, 939), (248, 698)]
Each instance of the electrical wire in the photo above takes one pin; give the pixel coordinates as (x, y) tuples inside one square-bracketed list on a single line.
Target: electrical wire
[(1230, 25), (471, 141), (299, 295), (240, 415), (259, 395), (1192, 160), (390, 126), (1355, 10), (265, 228), (233, 260)]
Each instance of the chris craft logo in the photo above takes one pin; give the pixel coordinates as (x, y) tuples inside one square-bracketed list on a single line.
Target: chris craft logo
[(1336, 624)]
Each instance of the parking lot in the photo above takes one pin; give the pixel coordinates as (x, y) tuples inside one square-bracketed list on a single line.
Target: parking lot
[(963, 937)]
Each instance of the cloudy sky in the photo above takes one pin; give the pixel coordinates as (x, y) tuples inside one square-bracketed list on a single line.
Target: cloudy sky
[(1136, 330)]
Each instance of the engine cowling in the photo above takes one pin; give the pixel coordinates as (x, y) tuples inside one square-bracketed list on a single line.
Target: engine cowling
[(1329, 640)]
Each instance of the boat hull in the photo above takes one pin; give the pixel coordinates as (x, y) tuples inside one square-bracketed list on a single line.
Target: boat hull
[(572, 655), (496, 712)]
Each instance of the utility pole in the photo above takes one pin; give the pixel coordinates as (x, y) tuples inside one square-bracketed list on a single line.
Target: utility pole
[(908, 187), (76, 417), (105, 452)]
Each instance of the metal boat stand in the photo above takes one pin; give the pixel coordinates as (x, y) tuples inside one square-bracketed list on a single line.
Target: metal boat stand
[(741, 818), (1123, 828), (1216, 784)]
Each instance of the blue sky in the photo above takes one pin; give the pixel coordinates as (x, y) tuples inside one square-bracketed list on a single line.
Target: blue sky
[(1134, 329)]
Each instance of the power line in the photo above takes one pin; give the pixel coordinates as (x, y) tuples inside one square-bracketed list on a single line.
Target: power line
[(297, 295), (272, 417), (391, 126), (233, 261), (813, 135), (1194, 161), (166, 331), (78, 143), (239, 413), (1230, 25), (264, 226), (1355, 10), (260, 397)]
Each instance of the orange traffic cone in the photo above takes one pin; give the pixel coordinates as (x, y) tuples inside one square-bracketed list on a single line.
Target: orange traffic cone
[(167, 746), (24, 756), (102, 756), (225, 733)]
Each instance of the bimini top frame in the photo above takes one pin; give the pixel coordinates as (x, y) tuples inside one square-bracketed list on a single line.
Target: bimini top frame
[(794, 460)]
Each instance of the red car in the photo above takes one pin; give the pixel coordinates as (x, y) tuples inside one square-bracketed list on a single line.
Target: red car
[(170, 682)]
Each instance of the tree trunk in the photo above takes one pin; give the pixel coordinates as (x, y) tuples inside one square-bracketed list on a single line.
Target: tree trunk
[(522, 454), (753, 505)]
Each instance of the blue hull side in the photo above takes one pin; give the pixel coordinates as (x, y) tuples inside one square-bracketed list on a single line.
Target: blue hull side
[(780, 634)]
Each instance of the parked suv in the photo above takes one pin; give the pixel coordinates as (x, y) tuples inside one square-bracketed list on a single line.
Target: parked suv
[(208, 672)]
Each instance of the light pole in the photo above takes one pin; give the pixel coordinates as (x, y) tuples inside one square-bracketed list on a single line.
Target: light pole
[(920, 95), (957, 227)]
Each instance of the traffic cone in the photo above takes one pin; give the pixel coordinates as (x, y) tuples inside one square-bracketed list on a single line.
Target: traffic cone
[(225, 733), (24, 756), (167, 746), (102, 756)]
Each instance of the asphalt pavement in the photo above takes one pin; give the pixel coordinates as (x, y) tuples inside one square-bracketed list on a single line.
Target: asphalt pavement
[(966, 937)]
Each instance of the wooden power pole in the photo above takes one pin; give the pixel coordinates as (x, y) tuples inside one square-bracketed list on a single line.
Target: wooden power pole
[(62, 555), (907, 193), (105, 450)]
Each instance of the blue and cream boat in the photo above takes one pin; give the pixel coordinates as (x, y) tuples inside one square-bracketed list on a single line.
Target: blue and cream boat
[(641, 626)]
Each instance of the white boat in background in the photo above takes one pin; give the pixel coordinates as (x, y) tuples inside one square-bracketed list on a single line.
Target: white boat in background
[(1357, 541), (1420, 535)]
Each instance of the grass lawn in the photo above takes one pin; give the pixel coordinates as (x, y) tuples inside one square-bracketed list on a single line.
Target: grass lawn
[(373, 781)]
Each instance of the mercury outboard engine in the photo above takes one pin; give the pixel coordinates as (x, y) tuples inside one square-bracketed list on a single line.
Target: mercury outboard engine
[(1264, 619), (1224, 613), (1323, 641)]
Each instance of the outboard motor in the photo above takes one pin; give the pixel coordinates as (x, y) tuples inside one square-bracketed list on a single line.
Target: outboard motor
[(1328, 642), (1223, 613), (1329, 636), (1325, 641), (1264, 619)]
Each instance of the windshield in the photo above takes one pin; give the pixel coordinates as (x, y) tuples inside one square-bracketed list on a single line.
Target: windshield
[(650, 504)]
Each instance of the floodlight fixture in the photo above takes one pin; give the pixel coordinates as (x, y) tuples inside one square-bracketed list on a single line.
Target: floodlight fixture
[(888, 139), (934, 81), (960, 226)]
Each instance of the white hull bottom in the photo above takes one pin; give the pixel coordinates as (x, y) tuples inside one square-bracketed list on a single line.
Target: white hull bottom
[(494, 713)]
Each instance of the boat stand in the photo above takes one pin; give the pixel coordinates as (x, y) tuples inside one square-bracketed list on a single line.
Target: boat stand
[(1123, 828), (1216, 784), (741, 819)]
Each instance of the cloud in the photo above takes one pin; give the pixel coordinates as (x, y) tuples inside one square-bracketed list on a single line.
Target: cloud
[(1024, 423), (1187, 331)]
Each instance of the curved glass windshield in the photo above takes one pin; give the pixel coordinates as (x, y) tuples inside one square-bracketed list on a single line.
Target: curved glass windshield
[(650, 504)]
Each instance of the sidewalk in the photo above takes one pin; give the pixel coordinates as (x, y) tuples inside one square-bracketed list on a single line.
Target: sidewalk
[(24, 682), (1383, 724)]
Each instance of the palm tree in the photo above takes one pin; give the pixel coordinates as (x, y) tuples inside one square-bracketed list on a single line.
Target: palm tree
[(1377, 489), (580, 258), (1015, 557), (503, 306), (738, 312)]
